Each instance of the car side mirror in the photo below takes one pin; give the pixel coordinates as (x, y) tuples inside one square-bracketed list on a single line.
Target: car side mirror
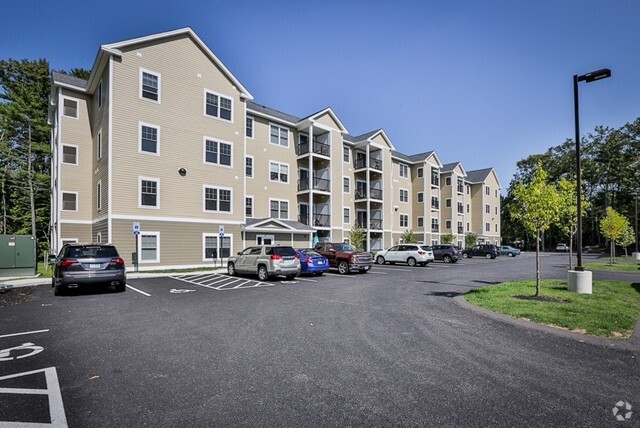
[(239, 253)]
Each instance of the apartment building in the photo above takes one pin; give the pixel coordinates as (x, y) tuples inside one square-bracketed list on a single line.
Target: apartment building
[(164, 152)]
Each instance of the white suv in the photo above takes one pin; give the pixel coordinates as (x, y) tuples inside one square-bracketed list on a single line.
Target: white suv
[(265, 261), (411, 254)]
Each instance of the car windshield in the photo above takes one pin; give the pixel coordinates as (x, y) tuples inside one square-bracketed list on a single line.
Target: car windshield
[(345, 247)]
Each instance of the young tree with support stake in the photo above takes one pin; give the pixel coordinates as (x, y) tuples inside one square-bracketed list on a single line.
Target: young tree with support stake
[(537, 207), (613, 227)]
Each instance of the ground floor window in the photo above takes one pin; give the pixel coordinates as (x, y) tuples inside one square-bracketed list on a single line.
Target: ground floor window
[(211, 247), (264, 239), (150, 247)]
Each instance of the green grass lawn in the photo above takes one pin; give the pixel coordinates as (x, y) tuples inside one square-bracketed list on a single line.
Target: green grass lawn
[(611, 311), (621, 264)]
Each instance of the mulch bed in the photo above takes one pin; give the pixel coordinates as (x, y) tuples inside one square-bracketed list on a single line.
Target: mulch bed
[(546, 299), (14, 296)]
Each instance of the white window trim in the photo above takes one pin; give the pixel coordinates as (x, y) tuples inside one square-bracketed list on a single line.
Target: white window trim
[(157, 180), (406, 192), (349, 182), (62, 201), (349, 211), (253, 166), (148, 125), (448, 203), (349, 153), (280, 200), (99, 144), (408, 225), (204, 201), (420, 172), (278, 180), (253, 206), (253, 128), (100, 97), (219, 95), (99, 191), (98, 237), (157, 235), (219, 141), (421, 218), (215, 235), (77, 154), (281, 128), (159, 76), (405, 167), (418, 197), (271, 237), (64, 97)]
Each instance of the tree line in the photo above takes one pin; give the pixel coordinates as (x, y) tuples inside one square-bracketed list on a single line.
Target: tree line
[(610, 160)]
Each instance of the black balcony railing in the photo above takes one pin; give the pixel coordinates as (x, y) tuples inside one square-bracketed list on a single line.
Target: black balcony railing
[(460, 230), (375, 224), (321, 184), (435, 228), (376, 194), (361, 193), (435, 180), (303, 184), (303, 148), (321, 220), (321, 148), (303, 218), (361, 163), (460, 188), (435, 205)]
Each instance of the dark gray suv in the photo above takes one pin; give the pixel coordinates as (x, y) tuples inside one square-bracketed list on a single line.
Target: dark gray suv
[(446, 253), (88, 264)]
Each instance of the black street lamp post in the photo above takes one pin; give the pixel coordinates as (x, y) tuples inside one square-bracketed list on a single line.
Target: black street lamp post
[(589, 77), (635, 225)]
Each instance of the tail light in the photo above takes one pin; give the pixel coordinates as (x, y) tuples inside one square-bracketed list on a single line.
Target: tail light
[(297, 256), (276, 257), (117, 261), (422, 253), (68, 262), (308, 260)]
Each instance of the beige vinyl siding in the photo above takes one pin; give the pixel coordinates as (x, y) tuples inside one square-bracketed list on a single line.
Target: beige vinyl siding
[(185, 72), (100, 124), (180, 243), (74, 178), (81, 232), (328, 121), (101, 227)]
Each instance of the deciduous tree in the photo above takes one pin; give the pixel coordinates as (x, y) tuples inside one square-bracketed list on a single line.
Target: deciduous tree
[(613, 227)]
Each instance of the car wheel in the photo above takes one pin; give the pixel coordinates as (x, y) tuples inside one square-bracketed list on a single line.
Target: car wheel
[(488, 256), (447, 259), (380, 260), (343, 267), (411, 261), (231, 269), (510, 254), (121, 287), (263, 275), (59, 290), (466, 256)]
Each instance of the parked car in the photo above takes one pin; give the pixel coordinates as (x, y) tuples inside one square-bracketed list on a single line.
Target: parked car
[(488, 251), (266, 261), (312, 262), (88, 264), (445, 252), (345, 257), (411, 254), (562, 248), (509, 251)]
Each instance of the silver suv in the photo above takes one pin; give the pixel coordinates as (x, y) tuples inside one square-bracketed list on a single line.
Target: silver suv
[(266, 261)]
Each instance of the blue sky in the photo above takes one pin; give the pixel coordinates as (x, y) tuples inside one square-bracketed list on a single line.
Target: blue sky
[(486, 83)]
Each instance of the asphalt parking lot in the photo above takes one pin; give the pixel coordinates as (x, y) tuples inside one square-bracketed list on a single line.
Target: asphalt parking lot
[(386, 348)]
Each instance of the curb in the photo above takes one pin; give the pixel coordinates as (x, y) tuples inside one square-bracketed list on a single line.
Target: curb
[(631, 344)]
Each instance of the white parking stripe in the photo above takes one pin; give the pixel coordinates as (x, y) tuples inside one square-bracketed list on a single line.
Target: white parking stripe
[(139, 291), (306, 279), (396, 269), (23, 333)]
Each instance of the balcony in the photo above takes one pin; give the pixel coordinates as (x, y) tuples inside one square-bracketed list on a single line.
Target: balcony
[(435, 180), (319, 148), (361, 163), (303, 218), (435, 228), (435, 205), (376, 194), (460, 230), (321, 184), (322, 220), (373, 224)]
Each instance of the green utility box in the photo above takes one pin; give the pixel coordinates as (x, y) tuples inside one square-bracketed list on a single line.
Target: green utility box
[(17, 255)]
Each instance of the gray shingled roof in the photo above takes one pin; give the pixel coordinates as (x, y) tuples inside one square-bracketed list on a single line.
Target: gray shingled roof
[(420, 157), (258, 108), (69, 80), (479, 175), (449, 167)]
